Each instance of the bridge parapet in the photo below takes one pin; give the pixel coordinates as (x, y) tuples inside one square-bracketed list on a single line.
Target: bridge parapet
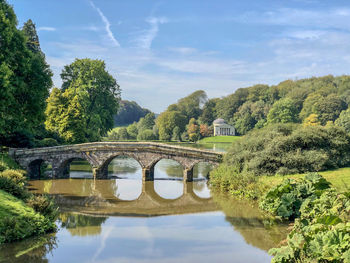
[(100, 154)]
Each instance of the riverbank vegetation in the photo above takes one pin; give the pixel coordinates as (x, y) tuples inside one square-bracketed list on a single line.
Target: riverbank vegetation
[(22, 214), (272, 166)]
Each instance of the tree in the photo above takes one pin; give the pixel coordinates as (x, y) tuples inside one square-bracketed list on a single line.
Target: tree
[(312, 120), (146, 135), (123, 134), (29, 31), (176, 134), (208, 113), (329, 108), (283, 111), (89, 92), (129, 112), (193, 130), (205, 130), (25, 79), (344, 120), (132, 130), (190, 106), (167, 121), (147, 122)]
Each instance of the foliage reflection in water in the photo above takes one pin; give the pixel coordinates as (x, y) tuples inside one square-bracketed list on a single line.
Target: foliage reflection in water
[(125, 220)]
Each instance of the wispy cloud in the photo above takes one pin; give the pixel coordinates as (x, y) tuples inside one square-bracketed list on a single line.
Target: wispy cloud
[(46, 28), (146, 37), (183, 50), (107, 25), (334, 18)]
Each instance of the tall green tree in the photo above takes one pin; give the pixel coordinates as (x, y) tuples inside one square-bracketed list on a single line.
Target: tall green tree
[(344, 120), (191, 105), (283, 111), (208, 113), (167, 121), (25, 78), (89, 98)]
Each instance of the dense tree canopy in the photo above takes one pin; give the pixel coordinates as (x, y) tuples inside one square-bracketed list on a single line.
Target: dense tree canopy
[(167, 121), (129, 111), (25, 78), (83, 109)]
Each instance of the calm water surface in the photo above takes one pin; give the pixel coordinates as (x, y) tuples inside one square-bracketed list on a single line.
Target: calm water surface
[(125, 220)]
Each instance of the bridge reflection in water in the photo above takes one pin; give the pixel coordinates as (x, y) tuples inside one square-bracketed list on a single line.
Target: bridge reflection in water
[(100, 197)]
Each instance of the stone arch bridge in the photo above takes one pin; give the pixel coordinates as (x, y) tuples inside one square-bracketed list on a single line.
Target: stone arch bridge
[(100, 154)]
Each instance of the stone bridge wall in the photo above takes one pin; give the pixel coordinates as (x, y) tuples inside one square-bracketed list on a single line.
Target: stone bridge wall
[(100, 154)]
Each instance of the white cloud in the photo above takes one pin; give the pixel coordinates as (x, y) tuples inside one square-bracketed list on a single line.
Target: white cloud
[(107, 25), (144, 40), (46, 28), (183, 50)]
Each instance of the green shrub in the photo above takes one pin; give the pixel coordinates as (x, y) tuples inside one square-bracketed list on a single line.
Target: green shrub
[(290, 148), (146, 135), (12, 182), (321, 234), (18, 176), (228, 179), (286, 199), (44, 205)]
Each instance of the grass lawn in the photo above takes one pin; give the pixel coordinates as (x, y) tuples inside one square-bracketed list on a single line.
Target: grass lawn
[(339, 178), (219, 139)]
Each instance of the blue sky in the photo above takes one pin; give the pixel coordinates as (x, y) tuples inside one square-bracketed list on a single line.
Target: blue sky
[(160, 51)]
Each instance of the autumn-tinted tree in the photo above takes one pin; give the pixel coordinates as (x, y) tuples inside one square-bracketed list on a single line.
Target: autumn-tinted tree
[(193, 130)]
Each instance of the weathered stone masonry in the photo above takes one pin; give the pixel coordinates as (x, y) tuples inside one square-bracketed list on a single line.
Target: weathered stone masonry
[(100, 154)]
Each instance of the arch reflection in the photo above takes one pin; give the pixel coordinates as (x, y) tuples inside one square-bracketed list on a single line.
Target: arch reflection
[(101, 197), (168, 169)]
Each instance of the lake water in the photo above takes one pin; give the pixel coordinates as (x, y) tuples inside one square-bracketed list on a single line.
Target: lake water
[(126, 220)]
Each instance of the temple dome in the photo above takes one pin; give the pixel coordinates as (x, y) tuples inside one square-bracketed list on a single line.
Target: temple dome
[(219, 121)]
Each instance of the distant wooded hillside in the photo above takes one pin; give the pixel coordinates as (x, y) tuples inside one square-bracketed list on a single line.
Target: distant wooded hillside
[(129, 111)]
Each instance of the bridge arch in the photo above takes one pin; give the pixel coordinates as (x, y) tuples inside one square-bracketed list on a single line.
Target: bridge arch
[(61, 166), (36, 167)]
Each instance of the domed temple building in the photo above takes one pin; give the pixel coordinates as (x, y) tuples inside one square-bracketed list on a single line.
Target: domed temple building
[(222, 128)]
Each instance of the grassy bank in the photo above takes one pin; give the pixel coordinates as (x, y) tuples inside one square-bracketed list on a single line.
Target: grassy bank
[(219, 139), (19, 221), (21, 213)]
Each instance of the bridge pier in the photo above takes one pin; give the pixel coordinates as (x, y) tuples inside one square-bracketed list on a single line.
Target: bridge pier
[(188, 175), (100, 172), (148, 174)]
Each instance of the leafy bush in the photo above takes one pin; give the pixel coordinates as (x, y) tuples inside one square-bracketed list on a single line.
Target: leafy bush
[(146, 135), (12, 182), (228, 179), (44, 205), (321, 234), (290, 148), (286, 199)]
